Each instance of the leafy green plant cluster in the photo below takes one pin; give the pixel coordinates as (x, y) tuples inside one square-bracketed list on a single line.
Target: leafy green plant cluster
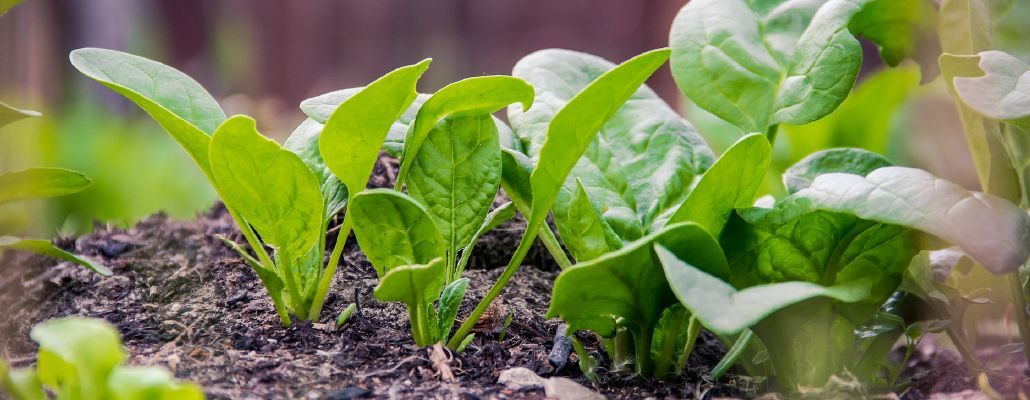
[(82, 358), (666, 237)]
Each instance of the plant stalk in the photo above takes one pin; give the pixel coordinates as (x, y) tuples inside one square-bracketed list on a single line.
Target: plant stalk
[(553, 247), (326, 280), (1019, 303), (513, 266), (771, 133)]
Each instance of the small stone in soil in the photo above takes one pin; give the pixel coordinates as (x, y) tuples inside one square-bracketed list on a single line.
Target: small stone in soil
[(350, 392), (238, 297), (113, 249), (559, 355)]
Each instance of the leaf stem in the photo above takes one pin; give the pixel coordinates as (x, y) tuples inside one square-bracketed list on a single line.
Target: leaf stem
[(553, 247), (326, 279), (291, 285), (1019, 303), (771, 132), (732, 355), (513, 266)]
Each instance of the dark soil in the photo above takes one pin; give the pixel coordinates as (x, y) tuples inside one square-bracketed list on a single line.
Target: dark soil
[(183, 300)]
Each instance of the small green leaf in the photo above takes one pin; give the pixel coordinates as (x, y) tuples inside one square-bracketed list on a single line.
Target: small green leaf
[(916, 199), (479, 95), (150, 383), (629, 283), (6, 5), (416, 286), (394, 230), (354, 133), (732, 182), (498, 216), (852, 161), (40, 183), (21, 383), (450, 302), (178, 103), (44, 247), (304, 143), (584, 231), (1003, 92), (727, 311), (757, 66), (269, 186), (456, 175), (76, 355), (10, 114)]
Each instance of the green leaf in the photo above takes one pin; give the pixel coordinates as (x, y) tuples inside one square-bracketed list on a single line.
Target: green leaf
[(21, 383), (456, 174), (416, 286), (867, 119), (629, 284), (916, 199), (355, 132), (270, 187), (76, 355), (758, 66), (637, 169), (516, 170), (394, 230), (450, 302), (982, 134), (6, 5), (575, 126), (732, 182), (178, 103), (727, 311), (10, 114), (40, 183), (852, 161), (1003, 92), (304, 143), (584, 231), (150, 383), (965, 26), (474, 96), (896, 26), (45, 248)]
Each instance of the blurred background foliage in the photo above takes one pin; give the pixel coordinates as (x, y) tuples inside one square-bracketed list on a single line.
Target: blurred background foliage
[(262, 57)]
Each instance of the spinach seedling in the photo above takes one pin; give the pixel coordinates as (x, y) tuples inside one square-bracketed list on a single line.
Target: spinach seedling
[(280, 197), (82, 358), (569, 134), (807, 272)]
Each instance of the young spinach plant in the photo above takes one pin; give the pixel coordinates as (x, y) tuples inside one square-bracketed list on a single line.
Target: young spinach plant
[(82, 358), (451, 162), (280, 198)]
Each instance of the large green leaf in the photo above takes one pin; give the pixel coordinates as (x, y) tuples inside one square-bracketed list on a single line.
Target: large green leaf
[(39, 183), (1003, 92), (766, 63), (574, 127), (733, 182), (10, 114), (991, 230), (965, 26), (478, 95), (629, 284), (271, 188), (304, 143), (178, 103), (637, 169), (394, 230), (150, 383), (76, 355), (852, 161), (456, 174), (726, 310), (354, 134), (44, 247)]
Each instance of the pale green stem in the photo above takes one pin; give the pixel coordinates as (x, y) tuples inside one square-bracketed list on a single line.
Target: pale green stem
[(553, 247), (330, 269), (291, 285)]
